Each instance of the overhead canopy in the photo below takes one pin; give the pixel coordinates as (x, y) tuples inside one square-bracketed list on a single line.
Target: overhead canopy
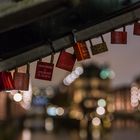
[(25, 29)]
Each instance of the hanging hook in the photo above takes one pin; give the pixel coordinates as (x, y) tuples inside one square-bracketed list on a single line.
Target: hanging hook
[(51, 46), (53, 50), (90, 42), (74, 36)]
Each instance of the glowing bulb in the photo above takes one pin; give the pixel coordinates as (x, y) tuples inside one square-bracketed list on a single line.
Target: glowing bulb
[(17, 97), (66, 82), (101, 103), (79, 70), (96, 121), (74, 75), (100, 111), (59, 111), (104, 74), (51, 111)]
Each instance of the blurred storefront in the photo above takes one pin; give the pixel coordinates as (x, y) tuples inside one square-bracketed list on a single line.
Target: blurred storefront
[(84, 107)]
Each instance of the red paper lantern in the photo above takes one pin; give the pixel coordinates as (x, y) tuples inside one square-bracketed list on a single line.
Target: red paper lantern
[(66, 60), (119, 37), (44, 70), (80, 49), (6, 81), (136, 28), (21, 80)]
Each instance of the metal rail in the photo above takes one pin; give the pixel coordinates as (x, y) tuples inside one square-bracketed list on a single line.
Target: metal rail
[(65, 42)]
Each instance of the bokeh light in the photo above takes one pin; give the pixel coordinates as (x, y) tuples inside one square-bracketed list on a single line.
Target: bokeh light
[(17, 97), (96, 121), (101, 102), (100, 111)]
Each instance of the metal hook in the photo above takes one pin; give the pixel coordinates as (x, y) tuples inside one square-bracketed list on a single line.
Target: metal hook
[(51, 46), (74, 36), (102, 38), (90, 42), (53, 50)]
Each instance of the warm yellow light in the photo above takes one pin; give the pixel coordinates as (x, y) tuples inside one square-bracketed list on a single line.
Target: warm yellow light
[(49, 126), (83, 133), (79, 70), (96, 134), (110, 108), (76, 114), (26, 134), (96, 121), (59, 111), (77, 96), (89, 103)]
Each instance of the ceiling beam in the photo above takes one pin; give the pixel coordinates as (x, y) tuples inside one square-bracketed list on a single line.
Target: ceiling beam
[(25, 12), (65, 42)]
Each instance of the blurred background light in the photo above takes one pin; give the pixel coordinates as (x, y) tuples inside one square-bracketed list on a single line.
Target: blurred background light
[(17, 97), (96, 134), (27, 97), (26, 134), (51, 110), (49, 125), (79, 70), (135, 95), (59, 111), (104, 74), (101, 102), (110, 108), (73, 76), (96, 121), (100, 111), (83, 133), (50, 92)]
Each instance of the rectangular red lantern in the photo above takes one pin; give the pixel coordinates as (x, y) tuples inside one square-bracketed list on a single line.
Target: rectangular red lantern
[(66, 61), (21, 80), (136, 28), (81, 50), (98, 48), (119, 37), (6, 81), (44, 70)]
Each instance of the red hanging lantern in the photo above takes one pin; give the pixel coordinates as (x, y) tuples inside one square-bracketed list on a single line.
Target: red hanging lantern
[(66, 60), (119, 37), (98, 48), (44, 70), (80, 49), (21, 80), (6, 81), (136, 30)]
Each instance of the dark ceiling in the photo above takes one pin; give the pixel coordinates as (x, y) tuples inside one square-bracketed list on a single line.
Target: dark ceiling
[(31, 27)]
